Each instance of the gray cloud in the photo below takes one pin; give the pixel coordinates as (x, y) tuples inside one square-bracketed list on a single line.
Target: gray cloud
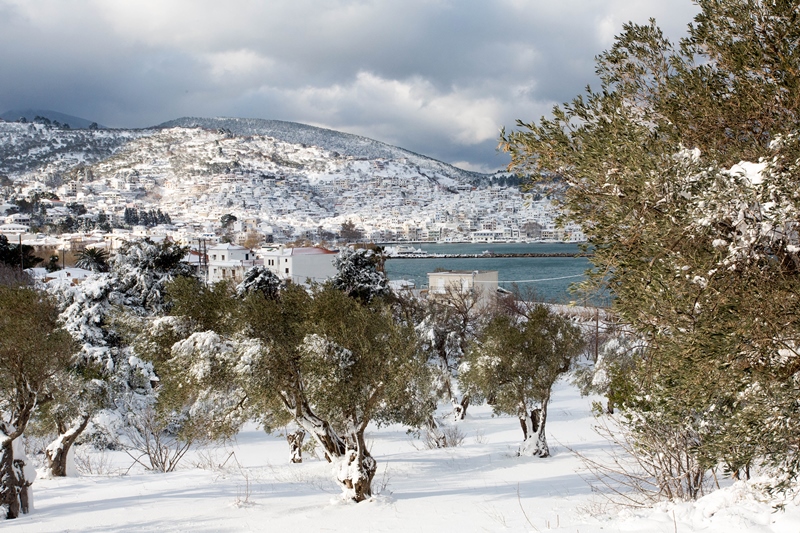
[(439, 77)]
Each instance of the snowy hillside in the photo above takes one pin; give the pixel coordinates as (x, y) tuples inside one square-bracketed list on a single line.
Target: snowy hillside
[(344, 144), (249, 485), (288, 180), (38, 149)]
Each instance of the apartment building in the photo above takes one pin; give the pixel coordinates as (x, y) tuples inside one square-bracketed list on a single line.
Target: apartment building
[(301, 264)]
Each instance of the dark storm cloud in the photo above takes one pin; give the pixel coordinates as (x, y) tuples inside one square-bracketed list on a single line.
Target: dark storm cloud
[(439, 77)]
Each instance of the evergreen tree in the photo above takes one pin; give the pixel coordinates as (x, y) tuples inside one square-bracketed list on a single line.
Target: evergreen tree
[(261, 279), (349, 232), (14, 256), (357, 274), (143, 268)]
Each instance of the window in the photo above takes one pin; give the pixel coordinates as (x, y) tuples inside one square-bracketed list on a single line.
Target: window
[(214, 257), (223, 257), (287, 270)]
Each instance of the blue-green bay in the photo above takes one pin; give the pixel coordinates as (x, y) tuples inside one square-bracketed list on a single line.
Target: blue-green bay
[(548, 277)]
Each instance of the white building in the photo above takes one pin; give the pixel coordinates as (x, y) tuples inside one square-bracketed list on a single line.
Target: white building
[(14, 229), (299, 264), (18, 218), (73, 275), (483, 282), (229, 261)]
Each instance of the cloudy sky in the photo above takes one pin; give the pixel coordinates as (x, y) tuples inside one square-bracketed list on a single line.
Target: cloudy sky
[(439, 77)]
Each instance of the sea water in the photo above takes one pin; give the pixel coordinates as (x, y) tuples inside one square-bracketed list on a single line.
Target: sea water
[(548, 278)]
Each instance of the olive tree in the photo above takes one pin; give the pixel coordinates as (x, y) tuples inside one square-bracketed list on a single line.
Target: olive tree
[(330, 363), (33, 350), (514, 364), (683, 171), (360, 365)]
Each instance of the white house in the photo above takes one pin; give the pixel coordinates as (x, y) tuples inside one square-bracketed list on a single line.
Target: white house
[(14, 229), (483, 282), (74, 275), (18, 218), (229, 261), (299, 264)]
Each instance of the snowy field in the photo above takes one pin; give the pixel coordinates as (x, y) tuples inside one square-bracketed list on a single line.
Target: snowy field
[(478, 486)]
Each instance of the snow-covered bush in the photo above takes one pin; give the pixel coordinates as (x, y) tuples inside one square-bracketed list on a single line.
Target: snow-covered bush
[(357, 274), (261, 279), (102, 314)]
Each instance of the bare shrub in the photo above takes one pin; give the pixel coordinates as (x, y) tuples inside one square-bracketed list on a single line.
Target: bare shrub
[(654, 465), (210, 460), (444, 437), (153, 439), (90, 461), (381, 486)]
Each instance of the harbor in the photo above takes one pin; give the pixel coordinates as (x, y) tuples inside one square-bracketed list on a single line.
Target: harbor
[(547, 270)]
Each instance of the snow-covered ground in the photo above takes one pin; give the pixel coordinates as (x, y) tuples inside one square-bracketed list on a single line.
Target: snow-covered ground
[(478, 486)]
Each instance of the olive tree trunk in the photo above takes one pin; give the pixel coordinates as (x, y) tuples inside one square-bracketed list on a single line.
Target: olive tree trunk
[(320, 430), (16, 477), (533, 429), (295, 440), (356, 469), (58, 451)]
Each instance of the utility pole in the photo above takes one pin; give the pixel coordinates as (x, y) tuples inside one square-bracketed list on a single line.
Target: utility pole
[(596, 333), (203, 259)]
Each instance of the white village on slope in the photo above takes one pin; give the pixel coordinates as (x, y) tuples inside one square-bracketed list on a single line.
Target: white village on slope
[(64, 190)]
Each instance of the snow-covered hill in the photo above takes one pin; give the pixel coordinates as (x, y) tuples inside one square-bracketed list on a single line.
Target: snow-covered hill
[(30, 150), (291, 180), (337, 142)]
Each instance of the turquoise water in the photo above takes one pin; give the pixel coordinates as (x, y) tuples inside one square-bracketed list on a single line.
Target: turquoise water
[(548, 277)]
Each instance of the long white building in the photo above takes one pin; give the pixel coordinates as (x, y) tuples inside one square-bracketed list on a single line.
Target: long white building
[(299, 265)]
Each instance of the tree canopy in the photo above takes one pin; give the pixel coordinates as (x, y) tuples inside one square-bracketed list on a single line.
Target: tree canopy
[(684, 169), (33, 351)]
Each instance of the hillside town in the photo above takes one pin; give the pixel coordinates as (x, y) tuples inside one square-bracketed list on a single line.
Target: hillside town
[(201, 188)]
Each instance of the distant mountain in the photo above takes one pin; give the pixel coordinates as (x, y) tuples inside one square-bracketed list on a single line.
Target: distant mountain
[(29, 114), (345, 144)]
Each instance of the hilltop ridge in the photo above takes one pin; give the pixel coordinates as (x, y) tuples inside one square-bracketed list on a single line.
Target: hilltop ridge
[(338, 142), (74, 122)]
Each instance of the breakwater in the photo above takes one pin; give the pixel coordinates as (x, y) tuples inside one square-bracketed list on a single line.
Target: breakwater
[(489, 255)]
